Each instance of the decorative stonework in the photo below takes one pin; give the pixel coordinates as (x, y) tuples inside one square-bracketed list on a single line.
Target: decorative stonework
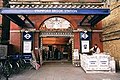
[(39, 4)]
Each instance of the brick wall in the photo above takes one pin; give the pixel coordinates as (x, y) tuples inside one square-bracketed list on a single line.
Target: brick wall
[(1, 3), (39, 19), (77, 41), (96, 39), (111, 30), (15, 39)]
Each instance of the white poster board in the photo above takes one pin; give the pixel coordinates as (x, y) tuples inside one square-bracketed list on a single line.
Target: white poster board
[(76, 54), (27, 46), (85, 46)]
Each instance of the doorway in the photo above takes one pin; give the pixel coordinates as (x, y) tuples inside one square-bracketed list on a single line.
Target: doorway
[(56, 40), (56, 49)]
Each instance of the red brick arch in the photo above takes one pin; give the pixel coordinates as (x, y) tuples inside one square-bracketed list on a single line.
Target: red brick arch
[(40, 19), (59, 17)]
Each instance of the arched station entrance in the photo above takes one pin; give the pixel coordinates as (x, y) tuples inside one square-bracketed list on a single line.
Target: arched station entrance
[(56, 40)]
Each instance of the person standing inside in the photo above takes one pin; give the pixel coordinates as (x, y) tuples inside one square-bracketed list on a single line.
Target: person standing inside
[(95, 49), (56, 53)]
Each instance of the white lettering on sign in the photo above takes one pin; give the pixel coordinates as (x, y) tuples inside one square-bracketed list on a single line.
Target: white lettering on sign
[(55, 11)]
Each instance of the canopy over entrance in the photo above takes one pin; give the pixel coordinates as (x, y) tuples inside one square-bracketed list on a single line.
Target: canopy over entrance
[(19, 11), (91, 16)]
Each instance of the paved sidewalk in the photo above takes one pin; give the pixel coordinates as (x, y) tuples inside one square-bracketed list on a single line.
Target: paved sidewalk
[(62, 71)]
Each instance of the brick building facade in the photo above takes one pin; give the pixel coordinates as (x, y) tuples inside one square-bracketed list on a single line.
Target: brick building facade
[(16, 39), (111, 31), (74, 20)]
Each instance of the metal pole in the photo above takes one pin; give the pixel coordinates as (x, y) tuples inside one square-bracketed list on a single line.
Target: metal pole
[(5, 25)]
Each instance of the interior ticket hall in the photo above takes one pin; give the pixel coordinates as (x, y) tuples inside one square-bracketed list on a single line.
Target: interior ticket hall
[(57, 51)]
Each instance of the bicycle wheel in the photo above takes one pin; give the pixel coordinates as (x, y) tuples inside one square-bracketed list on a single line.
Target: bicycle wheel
[(22, 64), (7, 69), (16, 67), (1, 70)]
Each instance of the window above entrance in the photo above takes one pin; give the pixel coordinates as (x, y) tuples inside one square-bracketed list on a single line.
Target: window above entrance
[(56, 23)]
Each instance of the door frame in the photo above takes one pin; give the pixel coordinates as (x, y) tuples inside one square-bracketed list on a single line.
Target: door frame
[(55, 34)]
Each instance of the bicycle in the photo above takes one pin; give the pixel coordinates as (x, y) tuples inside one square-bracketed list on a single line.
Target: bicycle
[(1, 65), (13, 60), (5, 67), (18, 59), (21, 62)]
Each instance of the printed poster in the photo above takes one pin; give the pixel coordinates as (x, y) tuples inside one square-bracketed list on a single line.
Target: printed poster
[(85, 46), (27, 46)]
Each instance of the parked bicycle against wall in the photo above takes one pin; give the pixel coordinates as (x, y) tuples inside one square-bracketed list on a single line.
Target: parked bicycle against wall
[(18, 61), (15, 64), (21, 62), (11, 64), (1, 69), (6, 67)]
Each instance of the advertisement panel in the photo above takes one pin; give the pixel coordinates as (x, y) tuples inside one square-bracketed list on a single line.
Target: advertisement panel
[(85, 46), (27, 46)]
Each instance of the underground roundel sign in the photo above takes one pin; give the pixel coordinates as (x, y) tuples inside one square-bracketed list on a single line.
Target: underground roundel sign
[(27, 36), (84, 36)]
